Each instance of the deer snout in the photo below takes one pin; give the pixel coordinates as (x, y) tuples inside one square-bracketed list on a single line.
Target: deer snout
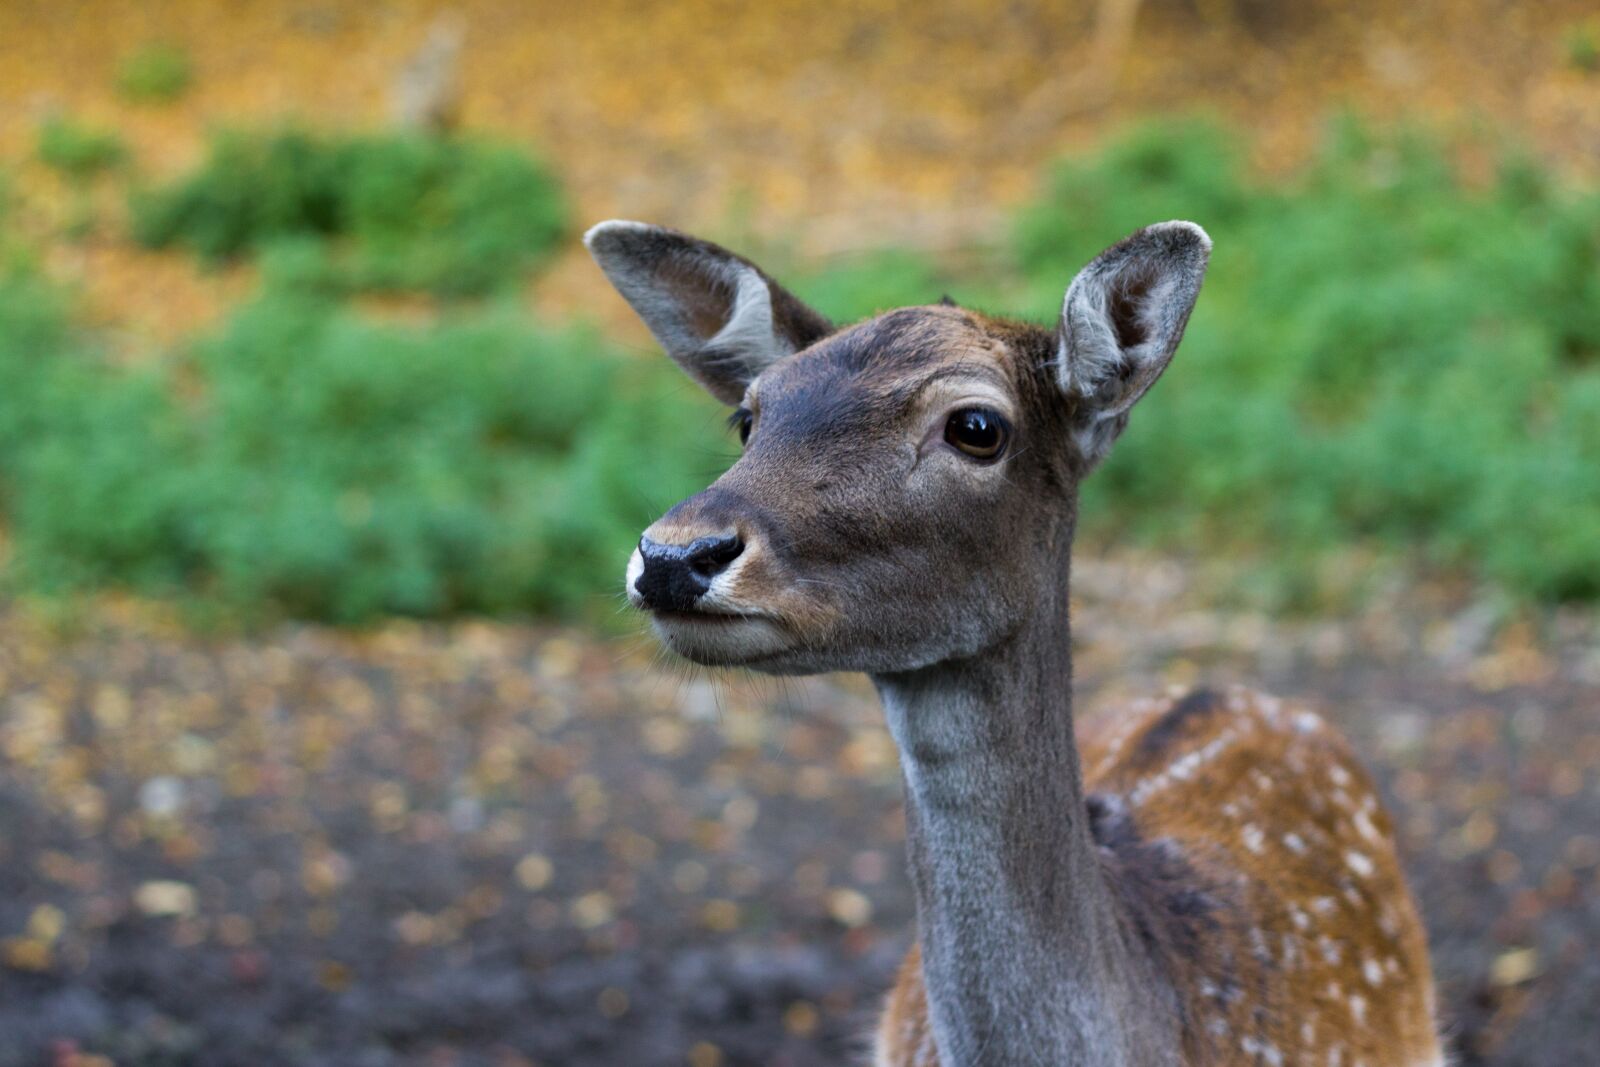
[(674, 577)]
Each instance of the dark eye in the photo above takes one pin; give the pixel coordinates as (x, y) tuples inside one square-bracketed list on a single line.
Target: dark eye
[(742, 421), (978, 432)]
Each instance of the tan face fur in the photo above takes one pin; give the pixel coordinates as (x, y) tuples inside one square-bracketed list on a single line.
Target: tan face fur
[(859, 519), (860, 536)]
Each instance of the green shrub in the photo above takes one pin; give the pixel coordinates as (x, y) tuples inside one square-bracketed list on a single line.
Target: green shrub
[(155, 74), (403, 212), (78, 151), (1382, 355), (308, 462), (854, 288), (1582, 45)]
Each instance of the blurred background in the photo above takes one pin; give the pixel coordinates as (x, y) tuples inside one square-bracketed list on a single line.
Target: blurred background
[(325, 738)]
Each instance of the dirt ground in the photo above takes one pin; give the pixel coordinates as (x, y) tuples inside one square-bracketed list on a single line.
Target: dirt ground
[(828, 126), (487, 845)]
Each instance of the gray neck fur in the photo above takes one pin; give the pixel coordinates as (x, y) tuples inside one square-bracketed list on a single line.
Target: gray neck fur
[(1023, 957)]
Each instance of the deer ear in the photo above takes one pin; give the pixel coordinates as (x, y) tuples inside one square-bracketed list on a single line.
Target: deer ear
[(717, 315), (1121, 321)]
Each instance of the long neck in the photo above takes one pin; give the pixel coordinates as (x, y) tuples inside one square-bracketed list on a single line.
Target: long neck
[(1021, 953)]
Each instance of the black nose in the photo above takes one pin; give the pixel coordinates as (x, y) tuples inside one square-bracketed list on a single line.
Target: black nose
[(675, 576)]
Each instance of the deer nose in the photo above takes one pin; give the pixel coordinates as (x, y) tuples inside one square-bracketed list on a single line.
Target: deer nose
[(675, 576)]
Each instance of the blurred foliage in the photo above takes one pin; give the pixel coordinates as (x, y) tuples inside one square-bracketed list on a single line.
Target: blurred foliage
[(79, 151), (1383, 353), (1386, 356), (1582, 42), (155, 74), (406, 211), (854, 288), (307, 461)]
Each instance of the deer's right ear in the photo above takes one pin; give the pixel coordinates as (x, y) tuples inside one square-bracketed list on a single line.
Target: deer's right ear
[(717, 315)]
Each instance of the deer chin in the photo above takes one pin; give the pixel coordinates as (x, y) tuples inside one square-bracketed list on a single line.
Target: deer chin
[(721, 639)]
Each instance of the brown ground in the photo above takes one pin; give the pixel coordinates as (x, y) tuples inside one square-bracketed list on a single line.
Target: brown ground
[(835, 125), (490, 846)]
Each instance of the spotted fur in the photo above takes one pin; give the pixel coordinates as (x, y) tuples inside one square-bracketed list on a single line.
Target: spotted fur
[(1250, 852)]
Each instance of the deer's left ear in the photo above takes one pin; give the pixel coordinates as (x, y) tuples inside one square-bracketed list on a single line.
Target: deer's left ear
[(718, 316), (1121, 321)]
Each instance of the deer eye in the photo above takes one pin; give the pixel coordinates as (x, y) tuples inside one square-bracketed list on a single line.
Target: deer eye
[(742, 421), (978, 432)]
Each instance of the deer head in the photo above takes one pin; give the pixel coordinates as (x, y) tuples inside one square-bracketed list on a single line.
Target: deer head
[(907, 489)]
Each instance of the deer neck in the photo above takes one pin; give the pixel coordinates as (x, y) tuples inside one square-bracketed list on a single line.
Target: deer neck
[(1022, 957)]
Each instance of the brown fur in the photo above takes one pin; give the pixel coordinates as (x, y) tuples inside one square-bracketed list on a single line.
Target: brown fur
[(1297, 957)]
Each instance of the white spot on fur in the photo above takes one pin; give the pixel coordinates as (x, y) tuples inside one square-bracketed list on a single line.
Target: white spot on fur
[(1339, 775), (1258, 945), (1358, 1010), (1372, 972), (1295, 843), (1365, 826), (1254, 839), (1265, 1049), (1183, 768), (1359, 862)]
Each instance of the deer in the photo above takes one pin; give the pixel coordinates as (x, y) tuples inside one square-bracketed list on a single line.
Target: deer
[(1204, 878)]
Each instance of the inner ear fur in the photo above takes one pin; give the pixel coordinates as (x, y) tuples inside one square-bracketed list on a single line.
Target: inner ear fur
[(719, 316), (1121, 321)]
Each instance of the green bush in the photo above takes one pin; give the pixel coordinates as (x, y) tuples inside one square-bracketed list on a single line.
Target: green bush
[(1382, 355), (155, 74), (1582, 45), (403, 212), (853, 288), (78, 151), (308, 462)]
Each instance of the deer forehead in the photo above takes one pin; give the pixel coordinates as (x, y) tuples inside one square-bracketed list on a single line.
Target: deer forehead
[(892, 359)]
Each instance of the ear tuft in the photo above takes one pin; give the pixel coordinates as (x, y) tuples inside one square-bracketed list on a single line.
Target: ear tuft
[(716, 314), (1121, 322), (624, 238)]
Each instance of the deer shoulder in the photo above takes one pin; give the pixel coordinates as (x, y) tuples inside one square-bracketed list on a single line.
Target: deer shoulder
[(1254, 859)]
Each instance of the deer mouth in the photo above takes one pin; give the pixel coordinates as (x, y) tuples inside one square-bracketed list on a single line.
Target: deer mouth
[(709, 616), (720, 638)]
